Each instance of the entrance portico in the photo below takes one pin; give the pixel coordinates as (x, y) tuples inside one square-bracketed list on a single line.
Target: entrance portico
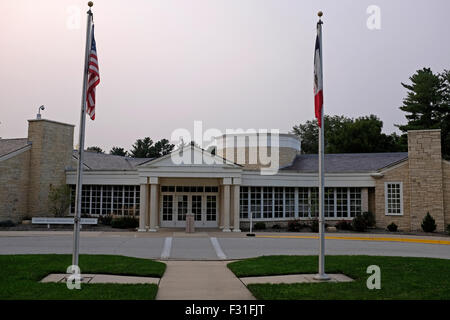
[(169, 191)]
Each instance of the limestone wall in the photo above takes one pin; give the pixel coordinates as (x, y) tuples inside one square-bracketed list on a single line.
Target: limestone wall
[(51, 153), (446, 179), (14, 174), (395, 174), (425, 174)]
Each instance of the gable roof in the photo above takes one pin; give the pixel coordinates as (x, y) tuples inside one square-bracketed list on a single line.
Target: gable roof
[(8, 146), (347, 162), (109, 162)]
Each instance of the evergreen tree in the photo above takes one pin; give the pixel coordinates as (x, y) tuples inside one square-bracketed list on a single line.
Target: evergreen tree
[(95, 149), (118, 151), (427, 104)]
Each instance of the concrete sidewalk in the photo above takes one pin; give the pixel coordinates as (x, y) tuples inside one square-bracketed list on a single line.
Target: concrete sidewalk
[(201, 280)]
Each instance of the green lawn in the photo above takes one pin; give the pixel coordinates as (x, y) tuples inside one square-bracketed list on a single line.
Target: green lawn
[(20, 276), (401, 277)]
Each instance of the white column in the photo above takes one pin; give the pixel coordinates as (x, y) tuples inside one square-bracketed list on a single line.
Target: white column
[(153, 203), (226, 205), (236, 207), (143, 207)]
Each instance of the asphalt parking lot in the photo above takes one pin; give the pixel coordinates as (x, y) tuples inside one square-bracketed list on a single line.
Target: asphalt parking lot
[(218, 246)]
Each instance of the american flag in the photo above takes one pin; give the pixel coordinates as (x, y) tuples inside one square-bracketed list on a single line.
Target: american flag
[(93, 78)]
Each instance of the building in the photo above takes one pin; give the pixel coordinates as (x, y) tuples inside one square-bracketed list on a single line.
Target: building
[(222, 190)]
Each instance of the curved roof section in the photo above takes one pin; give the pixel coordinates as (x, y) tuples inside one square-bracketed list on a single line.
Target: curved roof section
[(347, 162)]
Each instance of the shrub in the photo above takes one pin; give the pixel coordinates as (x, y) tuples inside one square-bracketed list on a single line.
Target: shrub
[(295, 225), (359, 223), (369, 217), (259, 226), (448, 229), (314, 225), (276, 226), (124, 223), (105, 219), (343, 225), (392, 227), (428, 223), (7, 223)]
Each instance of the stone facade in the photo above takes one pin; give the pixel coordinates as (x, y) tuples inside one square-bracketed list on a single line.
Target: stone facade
[(14, 176), (425, 181), (425, 174), (51, 153), (446, 175), (396, 174)]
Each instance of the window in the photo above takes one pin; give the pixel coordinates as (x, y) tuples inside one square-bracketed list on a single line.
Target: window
[(255, 202), (267, 202), (244, 202), (393, 192), (167, 207), (329, 202), (341, 202), (289, 205), (314, 202), (355, 201), (303, 202), (211, 208), (278, 203)]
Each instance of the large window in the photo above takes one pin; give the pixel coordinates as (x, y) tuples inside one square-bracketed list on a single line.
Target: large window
[(280, 202), (103, 200), (394, 198)]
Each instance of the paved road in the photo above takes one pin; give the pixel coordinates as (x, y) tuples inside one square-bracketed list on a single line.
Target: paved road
[(218, 246)]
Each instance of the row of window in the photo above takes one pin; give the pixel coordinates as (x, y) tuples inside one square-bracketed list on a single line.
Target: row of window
[(107, 199), (290, 202)]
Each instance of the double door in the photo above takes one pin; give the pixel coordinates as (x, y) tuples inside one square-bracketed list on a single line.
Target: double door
[(175, 207)]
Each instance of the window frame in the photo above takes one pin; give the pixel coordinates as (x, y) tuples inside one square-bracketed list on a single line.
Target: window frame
[(386, 198)]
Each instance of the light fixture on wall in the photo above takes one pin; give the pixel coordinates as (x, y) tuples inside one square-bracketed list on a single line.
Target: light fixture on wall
[(38, 116)]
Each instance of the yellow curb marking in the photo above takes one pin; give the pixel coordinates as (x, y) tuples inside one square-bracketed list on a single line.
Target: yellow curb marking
[(428, 241)]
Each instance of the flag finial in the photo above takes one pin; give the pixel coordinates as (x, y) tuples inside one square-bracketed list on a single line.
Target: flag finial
[(90, 4), (320, 14)]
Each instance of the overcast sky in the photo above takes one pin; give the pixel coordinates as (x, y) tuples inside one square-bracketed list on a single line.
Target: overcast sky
[(229, 63)]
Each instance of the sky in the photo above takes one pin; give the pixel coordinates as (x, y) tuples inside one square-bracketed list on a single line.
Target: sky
[(228, 63)]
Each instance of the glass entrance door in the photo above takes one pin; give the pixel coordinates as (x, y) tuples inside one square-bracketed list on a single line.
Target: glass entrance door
[(175, 206)]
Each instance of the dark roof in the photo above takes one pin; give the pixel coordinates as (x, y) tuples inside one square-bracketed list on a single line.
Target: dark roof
[(11, 145), (101, 161), (347, 162)]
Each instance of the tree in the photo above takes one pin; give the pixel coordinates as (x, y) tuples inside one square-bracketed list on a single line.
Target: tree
[(427, 104), (163, 147), (95, 149), (347, 135), (141, 148), (144, 148), (118, 151), (59, 200)]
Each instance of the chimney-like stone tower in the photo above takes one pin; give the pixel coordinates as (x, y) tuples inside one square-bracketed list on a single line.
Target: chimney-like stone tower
[(51, 153), (425, 174)]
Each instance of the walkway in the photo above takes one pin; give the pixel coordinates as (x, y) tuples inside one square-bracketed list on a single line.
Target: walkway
[(201, 280)]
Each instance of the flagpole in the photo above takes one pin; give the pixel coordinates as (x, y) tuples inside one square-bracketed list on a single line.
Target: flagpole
[(77, 218), (321, 275)]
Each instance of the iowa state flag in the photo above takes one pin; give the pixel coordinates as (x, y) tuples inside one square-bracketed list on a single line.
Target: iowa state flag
[(318, 77)]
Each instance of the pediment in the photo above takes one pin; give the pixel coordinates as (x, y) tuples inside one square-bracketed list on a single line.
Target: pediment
[(190, 156)]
